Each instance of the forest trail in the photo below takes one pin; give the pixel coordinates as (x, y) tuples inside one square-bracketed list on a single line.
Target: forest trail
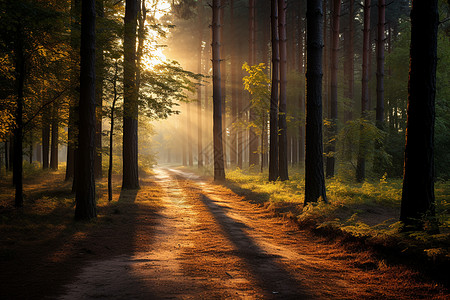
[(206, 242)]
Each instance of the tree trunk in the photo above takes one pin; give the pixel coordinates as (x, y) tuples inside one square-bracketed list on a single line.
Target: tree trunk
[(223, 76), (418, 198), (85, 190), (361, 162), (219, 171), (333, 112), (273, 117), (349, 62), (45, 140), (100, 71), (189, 137), (111, 133), (234, 88), (6, 157), (18, 150), (325, 58), (253, 158), (240, 113), (282, 111), (199, 89), (314, 176), (130, 178), (301, 100), (54, 143), (380, 64), (74, 96)]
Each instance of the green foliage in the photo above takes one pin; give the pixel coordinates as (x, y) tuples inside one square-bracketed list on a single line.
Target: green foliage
[(362, 132), (163, 87), (258, 84)]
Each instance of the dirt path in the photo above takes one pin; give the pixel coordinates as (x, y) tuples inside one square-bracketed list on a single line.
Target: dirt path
[(208, 243)]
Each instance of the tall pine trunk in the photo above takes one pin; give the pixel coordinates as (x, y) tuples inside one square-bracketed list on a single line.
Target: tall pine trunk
[(54, 136), (18, 131), (111, 133), (418, 198), (45, 138), (219, 171), (74, 95), (273, 115), (333, 110), (282, 111), (234, 88), (349, 62), (130, 178), (199, 88), (100, 74), (253, 158), (301, 98), (361, 160), (85, 188), (314, 176), (380, 63)]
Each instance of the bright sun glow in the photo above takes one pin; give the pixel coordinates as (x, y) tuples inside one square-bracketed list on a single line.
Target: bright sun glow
[(158, 9)]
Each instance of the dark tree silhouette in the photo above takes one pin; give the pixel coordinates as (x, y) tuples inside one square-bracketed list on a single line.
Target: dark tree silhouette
[(74, 77), (273, 145), (418, 181), (361, 160), (314, 176), (282, 111), (349, 61), (130, 178), (380, 63), (55, 136), (85, 189), (219, 171), (99, 75), (18, 131), (253, 157), (333, 109), (199, 87)]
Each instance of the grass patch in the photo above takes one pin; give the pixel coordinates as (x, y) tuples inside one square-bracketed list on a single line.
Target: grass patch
[(369, 210)]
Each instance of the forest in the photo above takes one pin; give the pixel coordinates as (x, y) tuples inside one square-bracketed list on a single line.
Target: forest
[(212, 149)]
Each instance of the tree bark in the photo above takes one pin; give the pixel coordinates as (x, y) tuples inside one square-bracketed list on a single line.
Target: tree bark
[(219, 171), (418, 198), (253, 158), (273, 117), (45, 139), (234, 89), (54, 136), (74, 96), (282, 111), (349, 62), (18, 131), (100, 74), (130, 178), (314, 176), (301, 100), (111, 133), (189, 137), (380, 64), (361, 160), (85, 189), (6, 157), (333, 112), (199, 88)]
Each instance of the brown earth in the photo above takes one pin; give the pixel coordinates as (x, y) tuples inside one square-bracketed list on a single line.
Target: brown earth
[(183, 237)]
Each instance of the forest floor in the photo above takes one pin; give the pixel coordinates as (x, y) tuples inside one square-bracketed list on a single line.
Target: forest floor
[(181, 237)]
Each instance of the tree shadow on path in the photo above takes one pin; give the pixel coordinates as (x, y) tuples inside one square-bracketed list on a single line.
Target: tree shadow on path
[(266, 268)]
